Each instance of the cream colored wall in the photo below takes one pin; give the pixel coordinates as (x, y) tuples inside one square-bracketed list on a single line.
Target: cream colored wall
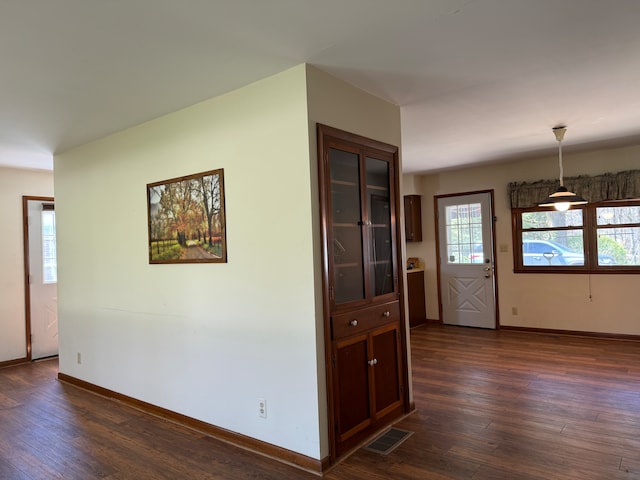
[(14, 183), (204, 340), (543, 301)]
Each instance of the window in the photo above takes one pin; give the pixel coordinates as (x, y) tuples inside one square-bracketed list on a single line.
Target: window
[(597, 238), (49, 259), (464, 233)]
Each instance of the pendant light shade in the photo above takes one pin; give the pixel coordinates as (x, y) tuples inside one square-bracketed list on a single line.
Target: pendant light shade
[(562, 199)]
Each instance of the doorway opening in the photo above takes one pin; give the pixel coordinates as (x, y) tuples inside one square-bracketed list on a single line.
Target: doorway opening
[(40, 282), (467, 287)]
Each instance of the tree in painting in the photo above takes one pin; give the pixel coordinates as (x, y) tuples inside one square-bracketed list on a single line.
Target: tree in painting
[(186, 219)]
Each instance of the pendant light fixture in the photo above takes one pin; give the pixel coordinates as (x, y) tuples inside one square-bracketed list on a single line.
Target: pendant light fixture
[(562, 198)]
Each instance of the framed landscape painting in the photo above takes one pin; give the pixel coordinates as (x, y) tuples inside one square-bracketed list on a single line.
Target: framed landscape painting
[(187, 220)]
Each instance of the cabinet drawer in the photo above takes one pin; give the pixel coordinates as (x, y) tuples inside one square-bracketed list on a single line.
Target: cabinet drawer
[(358, 321)]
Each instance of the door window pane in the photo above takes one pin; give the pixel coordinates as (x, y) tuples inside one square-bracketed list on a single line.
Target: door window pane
[(464, 233), (49, 259)]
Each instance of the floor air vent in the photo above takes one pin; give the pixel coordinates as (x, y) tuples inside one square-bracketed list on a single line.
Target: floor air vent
[(388, 441)]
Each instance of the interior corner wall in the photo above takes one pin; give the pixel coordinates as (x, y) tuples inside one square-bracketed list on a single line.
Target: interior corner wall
[(14, 184), (204, 340), (606, 303)]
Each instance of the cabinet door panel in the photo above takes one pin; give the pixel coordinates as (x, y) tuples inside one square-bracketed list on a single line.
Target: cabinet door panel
[(378, 191), (417, 304), (413, 218), (352, 384), (346, 226), (387, 381)]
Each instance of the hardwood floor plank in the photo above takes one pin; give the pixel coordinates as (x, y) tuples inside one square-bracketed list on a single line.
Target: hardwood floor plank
[(8, 471), (498, 405)]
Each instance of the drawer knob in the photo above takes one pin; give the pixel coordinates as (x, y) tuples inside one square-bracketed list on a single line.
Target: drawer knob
[(386, 314), (353, 323)]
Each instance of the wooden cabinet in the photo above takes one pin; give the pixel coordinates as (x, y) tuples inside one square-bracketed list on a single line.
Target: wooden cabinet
[(413, 218), (368, 382), (416, 300), (366, 351)]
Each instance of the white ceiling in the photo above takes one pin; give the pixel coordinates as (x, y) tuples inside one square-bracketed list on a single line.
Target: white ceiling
[(477, 80)]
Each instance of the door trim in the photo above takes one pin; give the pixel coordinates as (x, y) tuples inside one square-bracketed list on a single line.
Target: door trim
[(493, 242), (25, 244)]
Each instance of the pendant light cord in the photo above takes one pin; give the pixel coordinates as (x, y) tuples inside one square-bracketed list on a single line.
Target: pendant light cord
[(560, 162), (559, 133)]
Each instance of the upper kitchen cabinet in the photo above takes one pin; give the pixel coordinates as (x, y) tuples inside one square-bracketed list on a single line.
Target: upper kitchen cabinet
[(413, 218)]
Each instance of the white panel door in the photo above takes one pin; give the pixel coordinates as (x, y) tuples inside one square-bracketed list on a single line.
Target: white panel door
[(466, 263), (43, 287)]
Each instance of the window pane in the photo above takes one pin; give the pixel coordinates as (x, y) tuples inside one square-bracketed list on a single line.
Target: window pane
[(553, 248), (609, 230), (619, 246), (618, 215), (49, 262), (464, 233), (551, 219)]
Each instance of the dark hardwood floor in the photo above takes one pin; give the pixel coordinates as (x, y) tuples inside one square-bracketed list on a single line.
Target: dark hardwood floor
[(490, 405)]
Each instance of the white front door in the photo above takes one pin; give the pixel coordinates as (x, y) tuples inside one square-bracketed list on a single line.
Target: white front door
[(466, 263), (43, 288)]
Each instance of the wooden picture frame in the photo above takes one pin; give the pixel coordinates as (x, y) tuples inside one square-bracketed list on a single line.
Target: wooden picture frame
[(186, 219)]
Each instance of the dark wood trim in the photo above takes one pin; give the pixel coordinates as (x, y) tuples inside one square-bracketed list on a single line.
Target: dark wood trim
[(25, 248), (323, 159), (327, 131), (496, 283), (574, 333), (436, 220), (17, 361), (317, 467)]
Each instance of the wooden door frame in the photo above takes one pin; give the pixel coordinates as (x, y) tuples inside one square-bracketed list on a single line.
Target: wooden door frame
[(493, 243), (25, 242)]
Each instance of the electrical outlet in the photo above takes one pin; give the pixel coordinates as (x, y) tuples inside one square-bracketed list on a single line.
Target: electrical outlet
[(79, 358), (262, 408), (514, 310)]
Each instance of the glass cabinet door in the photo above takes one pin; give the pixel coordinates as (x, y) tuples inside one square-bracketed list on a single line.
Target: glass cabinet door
[(358, 198), (380, 244), (348, 273)]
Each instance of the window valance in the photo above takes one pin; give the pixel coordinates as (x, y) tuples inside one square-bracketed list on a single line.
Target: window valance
[(608, 186)]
